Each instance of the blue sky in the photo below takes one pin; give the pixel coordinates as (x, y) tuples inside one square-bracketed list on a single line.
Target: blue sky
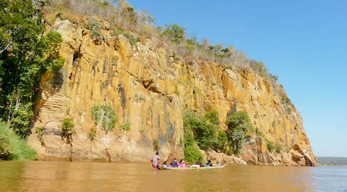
[(304, 42)]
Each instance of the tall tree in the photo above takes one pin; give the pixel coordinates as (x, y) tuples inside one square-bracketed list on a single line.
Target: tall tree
[(25, 55)]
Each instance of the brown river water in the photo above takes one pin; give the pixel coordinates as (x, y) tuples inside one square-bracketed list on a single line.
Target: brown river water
[(85, 176)]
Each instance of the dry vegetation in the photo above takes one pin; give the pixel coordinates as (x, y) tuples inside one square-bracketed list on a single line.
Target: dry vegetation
[(136, 25)]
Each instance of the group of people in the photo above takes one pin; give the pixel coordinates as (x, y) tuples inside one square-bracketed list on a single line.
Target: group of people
[(174, 163)]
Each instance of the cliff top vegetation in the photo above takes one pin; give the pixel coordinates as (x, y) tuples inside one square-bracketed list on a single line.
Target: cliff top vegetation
[(124, 19)]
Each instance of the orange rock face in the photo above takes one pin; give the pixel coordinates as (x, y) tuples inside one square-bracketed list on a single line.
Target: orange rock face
[(150, 89)]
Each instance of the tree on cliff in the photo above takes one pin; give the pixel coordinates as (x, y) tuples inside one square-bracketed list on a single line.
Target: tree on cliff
[(25, 55), (105, 116), (174, 32), (238, 125)]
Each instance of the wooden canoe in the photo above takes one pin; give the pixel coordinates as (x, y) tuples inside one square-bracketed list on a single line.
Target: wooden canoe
[(193, 168)]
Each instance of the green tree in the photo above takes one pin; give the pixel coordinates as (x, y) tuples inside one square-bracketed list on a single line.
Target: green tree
[(238, 125), (174, 32), (109, 118), (96, 114), (67, 130), (25, 55)]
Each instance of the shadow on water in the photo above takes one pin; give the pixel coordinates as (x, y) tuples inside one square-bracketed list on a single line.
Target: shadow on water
[(83, 176)]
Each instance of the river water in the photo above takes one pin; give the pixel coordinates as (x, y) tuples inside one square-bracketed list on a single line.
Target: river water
[(84, 176)]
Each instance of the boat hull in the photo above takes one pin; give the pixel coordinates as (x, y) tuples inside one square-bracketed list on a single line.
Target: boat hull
[(193, 168)]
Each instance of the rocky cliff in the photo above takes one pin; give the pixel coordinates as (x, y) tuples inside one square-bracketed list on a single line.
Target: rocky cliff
[(150, 88)]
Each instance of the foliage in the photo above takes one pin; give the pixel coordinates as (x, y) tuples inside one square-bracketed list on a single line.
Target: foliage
[(192, 154), (96, 114), (270, 145), (286, 104), (132, 39), (191, 151), (95, 26), (92, 133), (204, 131), (221, 142), (67, 129), (258, 67), (125, 126), (105, 116), (174, 32), (40, 132), (109, 118), (285, 100), (25, 55), (12, 147), (156, 145), (238, 125)]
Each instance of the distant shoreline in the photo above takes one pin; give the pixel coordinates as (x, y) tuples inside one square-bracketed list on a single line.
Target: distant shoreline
[(332, 161)]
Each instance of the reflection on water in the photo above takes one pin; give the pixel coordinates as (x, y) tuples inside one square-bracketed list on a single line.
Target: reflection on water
[(80, 176)]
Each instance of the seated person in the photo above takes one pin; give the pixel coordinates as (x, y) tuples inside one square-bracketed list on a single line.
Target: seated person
[(209, 163), (199, 163), (182, 164), (174, 163)]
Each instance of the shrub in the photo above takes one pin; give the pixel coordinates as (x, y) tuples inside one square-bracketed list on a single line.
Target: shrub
[(221, 141), (192, 154), (270, 145), (109, 118), (40, 132), (238, 125), (96, 114), (132, 39), (95, 27), (204, 131), (174, 32), (125, 126), (92, 133), (12, 147), (156, 145), (67, 129)]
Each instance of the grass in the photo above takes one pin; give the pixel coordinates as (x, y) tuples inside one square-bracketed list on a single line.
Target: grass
[(12, 147)]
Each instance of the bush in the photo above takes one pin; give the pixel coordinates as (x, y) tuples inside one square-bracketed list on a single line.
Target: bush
[(109, 118), (203, 128), (156, 145), (40, 132), (192, 154), (221, 141), (12, 147), (92, 133), (95, 27), (270, 145), (66, 130), (174, 32), (238, 125), (132, 39), (125, 126)]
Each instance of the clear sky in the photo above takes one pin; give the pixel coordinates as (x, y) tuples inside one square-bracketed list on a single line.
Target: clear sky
[(304, 42)]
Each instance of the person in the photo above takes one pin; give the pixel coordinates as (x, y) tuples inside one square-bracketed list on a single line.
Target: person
[(209, 163), (154, 160), (182, 164), (199, 163), (174, 163)]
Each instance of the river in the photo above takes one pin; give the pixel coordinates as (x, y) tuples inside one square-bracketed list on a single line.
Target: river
[(86, 176)]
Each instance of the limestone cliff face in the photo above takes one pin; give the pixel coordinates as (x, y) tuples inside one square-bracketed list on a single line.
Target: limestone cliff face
[(149, 88)]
